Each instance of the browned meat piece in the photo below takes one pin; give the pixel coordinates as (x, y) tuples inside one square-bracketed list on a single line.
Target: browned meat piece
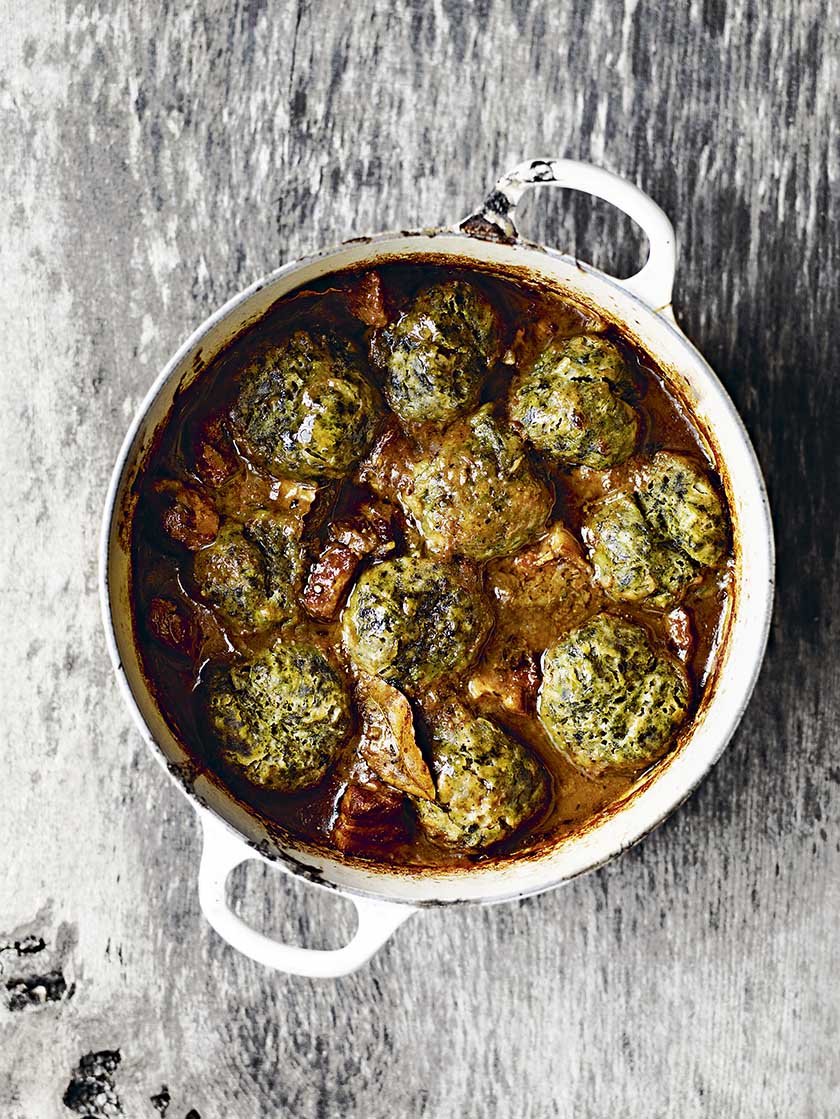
[(349, 542), (539, 593), (295, 498), (508, 675), (174, 626), (370, 817), (186, 515), (247, 493), (543, 590), (215, 457), (328, 579), (365, 302), (387, 468), (369, 533), (244, 494)]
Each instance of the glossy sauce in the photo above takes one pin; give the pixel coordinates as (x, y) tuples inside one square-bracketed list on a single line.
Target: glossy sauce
[(160, 569)]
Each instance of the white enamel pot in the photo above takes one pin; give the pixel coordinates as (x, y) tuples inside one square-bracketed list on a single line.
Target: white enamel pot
[(385, 897)]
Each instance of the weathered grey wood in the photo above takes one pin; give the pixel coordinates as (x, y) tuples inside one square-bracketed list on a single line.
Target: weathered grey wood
[(157, 157)]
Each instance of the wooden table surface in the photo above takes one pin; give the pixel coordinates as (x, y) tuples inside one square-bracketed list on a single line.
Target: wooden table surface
[(156, 158)]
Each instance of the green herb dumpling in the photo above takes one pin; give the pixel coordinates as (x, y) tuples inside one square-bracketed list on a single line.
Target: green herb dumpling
[(610, 699), (651, 544), (680, 502), (633, 563), (282, 717), (487, 783), (437, 353), (306, 408), (568, 404), (252, 573), (412, 620)]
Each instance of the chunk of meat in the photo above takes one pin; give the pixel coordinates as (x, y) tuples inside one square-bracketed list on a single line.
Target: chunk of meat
[(388, 743), (370, 532), (387, 469), (174, 626), (294, 497), (328, 579), (349, 541), (539, 593), (215, 456), (371, 816), (538, 330), (186, 515), (508, 675), (365, 301), (587, 483), (247, 493), (558, 544), (542, 590)]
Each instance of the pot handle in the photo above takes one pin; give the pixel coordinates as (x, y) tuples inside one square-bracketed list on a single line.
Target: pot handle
[(222, 851), (653, 284)]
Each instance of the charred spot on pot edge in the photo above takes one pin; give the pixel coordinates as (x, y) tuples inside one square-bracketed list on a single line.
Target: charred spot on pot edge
[(197, 366), (302, 869), (185, 773), (136, 472), (91, 1091), (262, 847), (35, 990), (540, 171), (477, 225), (498, 202)]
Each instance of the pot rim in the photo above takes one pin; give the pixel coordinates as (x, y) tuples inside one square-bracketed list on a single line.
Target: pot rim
[(282, 858)]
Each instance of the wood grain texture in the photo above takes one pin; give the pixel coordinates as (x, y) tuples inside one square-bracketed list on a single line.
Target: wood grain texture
[(156, 157)]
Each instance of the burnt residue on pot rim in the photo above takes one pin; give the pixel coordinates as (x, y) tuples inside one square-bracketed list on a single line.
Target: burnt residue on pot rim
[(283, 848)]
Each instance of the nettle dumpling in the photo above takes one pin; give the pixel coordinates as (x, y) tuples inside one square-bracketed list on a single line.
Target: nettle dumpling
[(282, 717), (651, 544), (568, 404), (437, 353), (610, 699), (488, 784), (252, 573), (411, 621), (306, 407), (478, 495), (632, 563), (680, 502)]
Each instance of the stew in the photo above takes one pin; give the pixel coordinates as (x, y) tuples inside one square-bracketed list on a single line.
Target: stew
[(429, 565)]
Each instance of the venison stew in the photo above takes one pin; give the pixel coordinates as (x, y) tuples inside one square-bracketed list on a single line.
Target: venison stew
[(430, 566)]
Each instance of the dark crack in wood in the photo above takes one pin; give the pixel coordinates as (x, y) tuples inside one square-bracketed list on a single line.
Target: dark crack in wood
[(27, 946), (36, 990), (161, 1100), (91, 1091)]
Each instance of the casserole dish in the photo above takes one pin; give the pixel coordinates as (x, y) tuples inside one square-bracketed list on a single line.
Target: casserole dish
[(385, 896)]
